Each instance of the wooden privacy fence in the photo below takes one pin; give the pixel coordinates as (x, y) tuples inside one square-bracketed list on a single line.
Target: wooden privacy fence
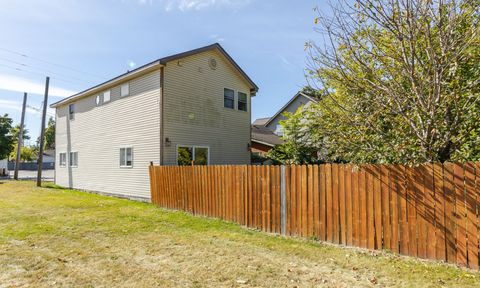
[(429, 211)]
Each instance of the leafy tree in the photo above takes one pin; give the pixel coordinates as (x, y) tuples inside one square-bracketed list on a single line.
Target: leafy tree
[(50, 134), (6, 139), (298, 147), (399, 79), (28, 153), (16, 130)]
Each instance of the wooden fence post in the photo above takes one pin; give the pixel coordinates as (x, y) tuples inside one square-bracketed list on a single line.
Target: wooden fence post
[(283, 202)]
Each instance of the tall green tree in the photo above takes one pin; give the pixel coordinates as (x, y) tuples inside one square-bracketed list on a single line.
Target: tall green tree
[(16, 131), (6, 139), (400, 80), (50, 134)]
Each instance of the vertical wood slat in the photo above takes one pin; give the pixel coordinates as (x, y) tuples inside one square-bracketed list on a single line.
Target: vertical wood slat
[(419, 186), (461, 233), (316, 201), (439, 212), (387, 231), (356, 208), (411, 211), (341, 204), (348, 204), (335, 202), (471, 210), (377, 199), (449, 192), (329, 203), (310, 201), (370, 207), (304, 207), (430, 240), (322, 203)]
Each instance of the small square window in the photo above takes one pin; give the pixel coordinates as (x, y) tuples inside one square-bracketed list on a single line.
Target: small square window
[(71, 111), (242, 101), (228, 98), (73, 159), (63, 159), (106, 96), (126, 157), (188, 155), (125, 90)]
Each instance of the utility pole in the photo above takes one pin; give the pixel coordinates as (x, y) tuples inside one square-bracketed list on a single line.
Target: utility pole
[(20, 137), (42, 134)]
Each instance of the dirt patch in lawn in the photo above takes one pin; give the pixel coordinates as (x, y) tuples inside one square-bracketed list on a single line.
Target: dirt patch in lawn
[(69, 238)]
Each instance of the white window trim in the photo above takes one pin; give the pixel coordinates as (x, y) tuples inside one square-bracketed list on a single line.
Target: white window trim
[(246, 95), (109, 98), (119, 151), (234, 99), (193, 151), (128, 91), (71, 116), (60, 159), (69, 159)]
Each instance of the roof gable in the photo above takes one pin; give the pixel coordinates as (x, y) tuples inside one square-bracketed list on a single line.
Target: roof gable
[(159, 62), (279, 112)]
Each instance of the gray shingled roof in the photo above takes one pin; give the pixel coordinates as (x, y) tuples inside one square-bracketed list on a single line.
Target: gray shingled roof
[(264, 135)]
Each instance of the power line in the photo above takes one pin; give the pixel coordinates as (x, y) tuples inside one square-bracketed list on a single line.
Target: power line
[(81, 81), (36, 73), (50, 63)]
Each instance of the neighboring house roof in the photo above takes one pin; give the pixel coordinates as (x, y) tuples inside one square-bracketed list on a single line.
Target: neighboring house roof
[(263, 135), (160, 62), (288, 103), (49, 152), (260, 121)]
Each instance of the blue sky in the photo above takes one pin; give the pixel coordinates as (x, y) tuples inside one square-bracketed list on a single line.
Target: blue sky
[(82, 43)]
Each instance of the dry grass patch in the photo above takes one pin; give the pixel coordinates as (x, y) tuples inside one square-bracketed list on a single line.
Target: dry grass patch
[(67, 238)]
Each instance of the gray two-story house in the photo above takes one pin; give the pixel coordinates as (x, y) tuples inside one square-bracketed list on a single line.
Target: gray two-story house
[(188, 108)]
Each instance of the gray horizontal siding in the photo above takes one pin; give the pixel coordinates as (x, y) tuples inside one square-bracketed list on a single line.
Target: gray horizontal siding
[(98, 133)]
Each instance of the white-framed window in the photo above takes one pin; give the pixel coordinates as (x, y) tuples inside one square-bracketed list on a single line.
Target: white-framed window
[(71, 111), (200, 155), (106, 96), (228, 98), (242, 102), (63, 159), (126, 157), (279, 130), (98, 100), (125, 90), (73, 159)]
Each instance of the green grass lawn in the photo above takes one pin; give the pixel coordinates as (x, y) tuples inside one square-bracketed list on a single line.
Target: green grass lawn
[(54, 237)]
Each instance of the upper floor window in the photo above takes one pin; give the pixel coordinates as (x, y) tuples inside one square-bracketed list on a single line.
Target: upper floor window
[(71, 111), (228, 98), (125, 90), (106, 96), (242, 101), (279, 130)]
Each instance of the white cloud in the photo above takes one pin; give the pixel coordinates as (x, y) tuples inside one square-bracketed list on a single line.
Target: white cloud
[(185, 5), (14, 83), (216, 38)]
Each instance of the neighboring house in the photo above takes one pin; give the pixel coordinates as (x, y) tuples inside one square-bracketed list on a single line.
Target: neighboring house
[(263, 140), (192, 106), (267, 132), (48, 162)]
